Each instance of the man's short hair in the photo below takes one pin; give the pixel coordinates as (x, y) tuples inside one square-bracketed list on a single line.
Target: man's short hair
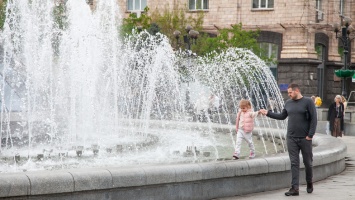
[(294, 86)]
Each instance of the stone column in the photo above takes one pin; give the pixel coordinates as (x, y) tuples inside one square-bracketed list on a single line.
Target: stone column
[(298, 59), (298, 42), (298, 71)]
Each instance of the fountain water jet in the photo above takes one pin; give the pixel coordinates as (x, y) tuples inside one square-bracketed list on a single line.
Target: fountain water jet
[(71, 81)]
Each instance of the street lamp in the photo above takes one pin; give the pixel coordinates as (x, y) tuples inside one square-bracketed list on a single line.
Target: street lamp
[(345, 39), (189, 38), (177, 37)]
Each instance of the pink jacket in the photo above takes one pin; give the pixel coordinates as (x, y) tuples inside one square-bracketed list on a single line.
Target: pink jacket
[(245, 120)]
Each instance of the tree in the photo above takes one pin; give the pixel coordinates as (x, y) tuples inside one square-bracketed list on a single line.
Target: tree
[(135, 22), (232, 37), (2, 13), (175, 19), (165, 22)]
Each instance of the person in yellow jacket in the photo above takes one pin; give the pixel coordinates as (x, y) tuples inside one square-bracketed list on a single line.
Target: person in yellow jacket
[(317, 101)]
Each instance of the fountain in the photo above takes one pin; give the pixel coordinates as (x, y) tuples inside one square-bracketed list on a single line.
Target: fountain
[(71, 86), (70, 83)]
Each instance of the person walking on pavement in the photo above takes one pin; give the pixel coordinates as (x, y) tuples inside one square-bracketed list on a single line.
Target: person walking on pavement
[(336, 117), (302, 123)]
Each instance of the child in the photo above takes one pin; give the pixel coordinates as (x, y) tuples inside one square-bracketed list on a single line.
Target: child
[(244, 127)]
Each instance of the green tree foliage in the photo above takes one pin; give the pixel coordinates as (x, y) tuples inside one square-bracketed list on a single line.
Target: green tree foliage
[(60, 23), (58, 13), (133, 22), (60, 17), (232, 37), (206, 46), (175, 19), (165, 22), (2, 13)]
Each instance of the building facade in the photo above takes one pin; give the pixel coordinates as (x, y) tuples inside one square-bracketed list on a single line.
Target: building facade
[(299, 33)]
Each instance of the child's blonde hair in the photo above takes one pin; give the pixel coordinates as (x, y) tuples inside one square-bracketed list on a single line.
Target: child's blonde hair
[(244, 103), (343, 99)]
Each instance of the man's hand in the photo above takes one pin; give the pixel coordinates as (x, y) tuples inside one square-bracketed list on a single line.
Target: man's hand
[(263, 111), (308, 138)]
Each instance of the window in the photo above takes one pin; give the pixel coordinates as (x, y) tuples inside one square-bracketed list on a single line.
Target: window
[(263, 3), (341, 7), (134, 5), (271, 51), (198, 5), (319, 12), (320, 49), (319, 4)]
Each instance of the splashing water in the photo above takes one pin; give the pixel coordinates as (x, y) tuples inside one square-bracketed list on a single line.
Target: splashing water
[(70, 84)]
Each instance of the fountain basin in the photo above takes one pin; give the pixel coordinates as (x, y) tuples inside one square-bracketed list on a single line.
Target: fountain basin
[(177, 181)]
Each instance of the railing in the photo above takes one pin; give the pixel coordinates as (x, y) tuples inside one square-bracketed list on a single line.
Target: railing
[(347, 117), (350, 99)]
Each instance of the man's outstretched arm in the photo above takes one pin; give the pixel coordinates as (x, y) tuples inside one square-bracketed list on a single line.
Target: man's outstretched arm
[(279, 116)]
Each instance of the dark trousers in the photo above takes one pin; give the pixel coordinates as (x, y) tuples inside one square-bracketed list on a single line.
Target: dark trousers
[(295, 145)]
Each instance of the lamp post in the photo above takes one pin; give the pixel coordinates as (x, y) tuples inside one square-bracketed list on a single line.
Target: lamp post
[(177, 37), (345, 39), (189, 38)]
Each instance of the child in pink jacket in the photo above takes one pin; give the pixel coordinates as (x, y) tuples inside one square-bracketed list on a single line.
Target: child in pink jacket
[(244, 127)]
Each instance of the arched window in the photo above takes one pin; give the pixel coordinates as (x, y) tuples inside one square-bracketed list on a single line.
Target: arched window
[(321, 55), (271, 51), (271, 42), (321, 47)]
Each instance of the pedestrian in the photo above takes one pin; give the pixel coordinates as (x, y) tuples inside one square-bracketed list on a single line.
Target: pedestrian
[(314, 99), (318, 101), (345, 103), (336, 117), (302, 123), (244, 127)]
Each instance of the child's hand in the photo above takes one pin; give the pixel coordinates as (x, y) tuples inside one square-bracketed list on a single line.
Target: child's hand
[(263, 111)]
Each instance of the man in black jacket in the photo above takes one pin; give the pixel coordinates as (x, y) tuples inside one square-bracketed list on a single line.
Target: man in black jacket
[(302, 123)]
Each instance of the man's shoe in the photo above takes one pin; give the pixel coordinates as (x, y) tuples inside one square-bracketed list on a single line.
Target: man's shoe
[(309, 187), (292, 192), (235, 158)]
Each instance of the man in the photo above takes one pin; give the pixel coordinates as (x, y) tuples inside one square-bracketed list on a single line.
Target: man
[(302, 123)]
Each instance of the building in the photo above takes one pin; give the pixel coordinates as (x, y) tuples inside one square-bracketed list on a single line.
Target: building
[(300, 34)]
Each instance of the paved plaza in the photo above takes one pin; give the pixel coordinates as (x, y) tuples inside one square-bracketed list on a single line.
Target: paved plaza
[(341, 186)]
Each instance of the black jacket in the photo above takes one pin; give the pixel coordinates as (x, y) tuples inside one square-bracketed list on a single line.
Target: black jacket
[(332, 114)]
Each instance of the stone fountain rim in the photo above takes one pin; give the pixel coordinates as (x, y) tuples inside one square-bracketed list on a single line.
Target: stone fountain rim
[(327, 151)]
